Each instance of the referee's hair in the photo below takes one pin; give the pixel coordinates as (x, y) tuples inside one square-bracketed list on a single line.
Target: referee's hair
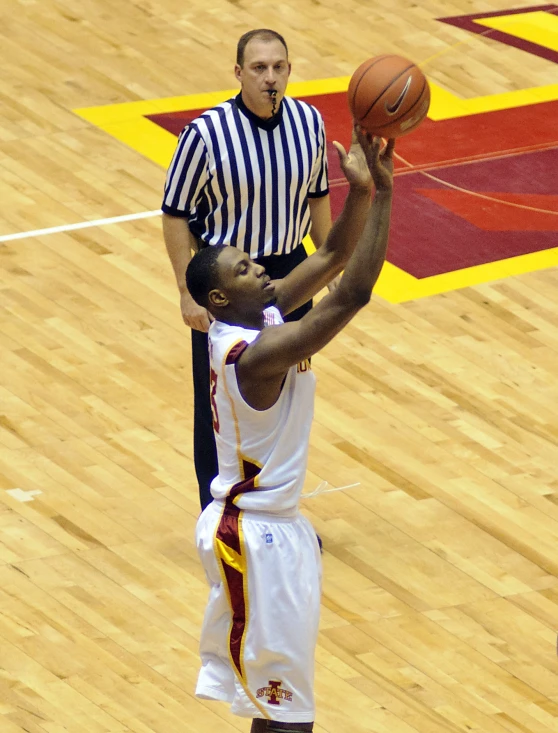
[(262, 34), (202, 273)]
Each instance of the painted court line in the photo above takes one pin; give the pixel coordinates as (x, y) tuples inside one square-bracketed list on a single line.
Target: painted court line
[(80, 225)]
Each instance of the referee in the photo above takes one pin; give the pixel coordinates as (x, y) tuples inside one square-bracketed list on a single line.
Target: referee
[(251, 173)]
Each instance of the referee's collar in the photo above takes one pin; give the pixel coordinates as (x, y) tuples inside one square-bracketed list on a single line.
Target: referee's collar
[(270, 124)]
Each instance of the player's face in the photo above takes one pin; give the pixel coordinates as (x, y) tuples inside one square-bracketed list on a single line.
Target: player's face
[(266, 68), (245, 284)]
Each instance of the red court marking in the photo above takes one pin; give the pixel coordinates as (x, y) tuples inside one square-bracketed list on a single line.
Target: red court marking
[(342, 181), (436, 229), (495, 216), (467, 23)]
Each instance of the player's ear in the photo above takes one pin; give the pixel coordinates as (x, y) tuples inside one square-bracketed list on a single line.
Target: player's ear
[(238, 72), (217, 299)]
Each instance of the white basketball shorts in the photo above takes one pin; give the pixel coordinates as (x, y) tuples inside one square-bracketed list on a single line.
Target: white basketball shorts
[(261, 622)]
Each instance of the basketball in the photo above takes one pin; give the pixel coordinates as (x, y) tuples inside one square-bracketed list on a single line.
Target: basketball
[(388, 96)]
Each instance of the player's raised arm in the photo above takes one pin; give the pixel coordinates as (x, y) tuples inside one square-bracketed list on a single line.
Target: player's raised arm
[(319, 269), (264, 363)]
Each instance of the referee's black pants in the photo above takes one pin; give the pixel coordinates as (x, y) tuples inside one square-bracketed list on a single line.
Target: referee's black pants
[(205, 452)]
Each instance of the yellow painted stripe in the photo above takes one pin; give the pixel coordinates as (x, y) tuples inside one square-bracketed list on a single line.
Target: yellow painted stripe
[(537, 27), (147, 138), (397, 286), (446, 106), (117, 113)]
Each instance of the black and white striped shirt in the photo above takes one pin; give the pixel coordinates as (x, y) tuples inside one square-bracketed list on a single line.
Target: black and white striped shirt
[(244, 181)]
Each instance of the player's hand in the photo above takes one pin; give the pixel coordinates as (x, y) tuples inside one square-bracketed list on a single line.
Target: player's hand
[(194, 315), (378, 158), (354, 164)]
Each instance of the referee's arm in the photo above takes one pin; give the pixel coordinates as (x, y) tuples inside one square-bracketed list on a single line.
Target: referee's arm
[(179, 242), (184, 179), (320, 217), (318, 195)]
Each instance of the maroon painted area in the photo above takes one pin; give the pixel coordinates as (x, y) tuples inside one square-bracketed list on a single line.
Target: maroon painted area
[(175, 121), (529, 213), (428, 238), (467, 23)]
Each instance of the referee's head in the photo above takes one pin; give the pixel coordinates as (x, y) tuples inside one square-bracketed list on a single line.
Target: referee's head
[(263, 69), (259, 34)]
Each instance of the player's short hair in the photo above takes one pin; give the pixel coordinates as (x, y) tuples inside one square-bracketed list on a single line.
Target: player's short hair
[(262, 34), (202, 274)]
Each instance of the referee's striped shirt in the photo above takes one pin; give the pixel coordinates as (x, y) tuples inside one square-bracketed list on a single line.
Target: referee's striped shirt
[(244, 181)]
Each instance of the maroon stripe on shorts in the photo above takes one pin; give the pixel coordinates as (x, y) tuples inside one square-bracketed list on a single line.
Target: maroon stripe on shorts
[(235, 583), (228, 532)]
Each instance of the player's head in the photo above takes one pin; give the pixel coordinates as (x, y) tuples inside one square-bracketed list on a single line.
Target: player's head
[(229, 284), (262, 66)]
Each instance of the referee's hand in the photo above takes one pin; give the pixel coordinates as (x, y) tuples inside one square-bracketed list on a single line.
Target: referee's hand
[(193, 314)]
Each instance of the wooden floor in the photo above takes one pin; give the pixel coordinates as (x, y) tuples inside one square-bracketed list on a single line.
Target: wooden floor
[(440, 603)]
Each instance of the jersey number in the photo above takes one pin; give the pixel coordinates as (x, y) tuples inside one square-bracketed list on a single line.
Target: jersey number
[(212, 391)]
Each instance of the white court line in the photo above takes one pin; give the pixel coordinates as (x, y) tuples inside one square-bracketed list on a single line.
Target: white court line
[(21, 495), (81, 225), (322, 489)]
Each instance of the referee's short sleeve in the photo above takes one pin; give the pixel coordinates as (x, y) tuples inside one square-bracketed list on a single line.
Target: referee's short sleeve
[(187, 174), (319, 184)]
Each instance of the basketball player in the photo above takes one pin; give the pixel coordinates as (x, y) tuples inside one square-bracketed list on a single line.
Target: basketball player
[(259, 553)]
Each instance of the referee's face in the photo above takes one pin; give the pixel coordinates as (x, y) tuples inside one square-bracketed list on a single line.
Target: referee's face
[(265, 69)]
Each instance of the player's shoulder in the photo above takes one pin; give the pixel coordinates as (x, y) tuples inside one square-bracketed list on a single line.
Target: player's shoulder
[(224, 338)]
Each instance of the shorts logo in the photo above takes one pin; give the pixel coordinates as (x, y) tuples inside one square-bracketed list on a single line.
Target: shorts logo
[(275, 693)]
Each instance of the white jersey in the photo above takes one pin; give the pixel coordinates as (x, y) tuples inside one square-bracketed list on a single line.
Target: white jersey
[(262, 453)]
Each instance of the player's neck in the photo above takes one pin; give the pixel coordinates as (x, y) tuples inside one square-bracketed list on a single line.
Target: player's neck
[(254, 322)]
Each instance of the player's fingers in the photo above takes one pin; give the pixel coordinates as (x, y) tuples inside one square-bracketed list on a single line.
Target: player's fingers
[(363, 137), (376, 147), (341, 152), (388, 152)]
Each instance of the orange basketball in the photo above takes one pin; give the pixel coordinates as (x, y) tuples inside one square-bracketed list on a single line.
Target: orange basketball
[(389, 96)]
